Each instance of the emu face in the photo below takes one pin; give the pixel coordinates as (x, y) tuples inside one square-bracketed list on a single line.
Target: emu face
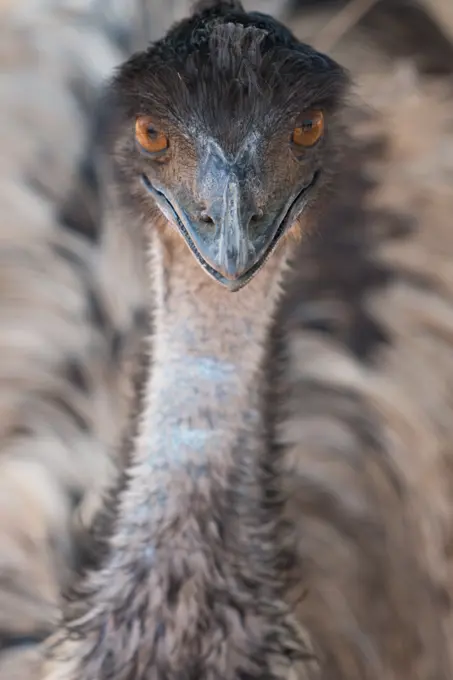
[(228, 126)]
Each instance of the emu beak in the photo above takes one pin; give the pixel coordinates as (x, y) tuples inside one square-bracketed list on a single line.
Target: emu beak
[(227, 240), (232, 240), (235, 252)]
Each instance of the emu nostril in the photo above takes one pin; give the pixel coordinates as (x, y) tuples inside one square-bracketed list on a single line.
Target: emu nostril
[(256, 217), (207, 219)]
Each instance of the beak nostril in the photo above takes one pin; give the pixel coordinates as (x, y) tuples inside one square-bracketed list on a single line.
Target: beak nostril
[(256, 216), (207, 219)]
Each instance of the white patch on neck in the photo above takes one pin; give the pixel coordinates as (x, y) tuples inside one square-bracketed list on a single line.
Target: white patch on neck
[(209, 368), (177, 443)]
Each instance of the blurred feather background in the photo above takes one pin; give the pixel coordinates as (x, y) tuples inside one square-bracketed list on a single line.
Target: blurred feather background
[(369, 320)]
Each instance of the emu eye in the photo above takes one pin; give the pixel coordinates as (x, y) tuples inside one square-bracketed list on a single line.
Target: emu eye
[(309, 130), (149, 137)]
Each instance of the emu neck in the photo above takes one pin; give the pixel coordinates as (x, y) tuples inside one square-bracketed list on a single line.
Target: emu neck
[(209, 346)]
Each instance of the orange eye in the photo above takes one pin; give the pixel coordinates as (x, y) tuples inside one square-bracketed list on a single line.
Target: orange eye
[(149, 137), (310, 129)]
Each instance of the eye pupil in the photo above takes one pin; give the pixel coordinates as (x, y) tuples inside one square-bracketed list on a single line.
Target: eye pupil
[(309, 130), (149, 137)]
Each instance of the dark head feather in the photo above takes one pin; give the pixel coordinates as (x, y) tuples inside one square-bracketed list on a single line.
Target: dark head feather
[(203, 5), (229, 57)]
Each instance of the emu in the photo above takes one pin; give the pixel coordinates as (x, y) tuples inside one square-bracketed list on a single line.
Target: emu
[(224, 139)]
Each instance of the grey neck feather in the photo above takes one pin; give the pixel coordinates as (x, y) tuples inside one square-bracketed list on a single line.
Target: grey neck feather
[(208, 349)]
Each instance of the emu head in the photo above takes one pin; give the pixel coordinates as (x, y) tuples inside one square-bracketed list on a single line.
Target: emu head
[(227, 126)]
